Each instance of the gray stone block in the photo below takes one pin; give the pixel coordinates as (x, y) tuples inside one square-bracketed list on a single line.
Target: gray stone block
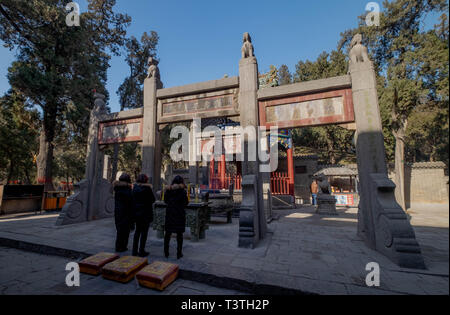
[(326, 205)]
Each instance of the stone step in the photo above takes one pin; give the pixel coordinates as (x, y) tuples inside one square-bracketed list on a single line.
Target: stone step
[(283, 202)]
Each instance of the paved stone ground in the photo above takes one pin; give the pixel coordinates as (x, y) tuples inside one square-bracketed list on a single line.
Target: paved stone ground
[(31, 273), (303, 252)]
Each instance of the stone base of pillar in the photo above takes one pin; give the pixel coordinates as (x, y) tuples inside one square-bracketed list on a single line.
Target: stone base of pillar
[(393, 234), (248, 213), (78, 208), (326, 205), (75, 208), (103, 207)]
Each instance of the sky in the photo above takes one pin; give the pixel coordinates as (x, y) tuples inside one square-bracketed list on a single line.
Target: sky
[(201, 40)]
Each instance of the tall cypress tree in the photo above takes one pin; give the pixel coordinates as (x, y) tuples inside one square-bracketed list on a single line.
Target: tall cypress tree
[(57, 63)]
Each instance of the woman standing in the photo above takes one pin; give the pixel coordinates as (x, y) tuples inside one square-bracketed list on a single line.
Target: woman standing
[(143, 214), (176, 199), (123, 211)]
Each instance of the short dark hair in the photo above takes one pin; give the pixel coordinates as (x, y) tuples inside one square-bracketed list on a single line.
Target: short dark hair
[(178, 180), (125, 178), (142, 179)]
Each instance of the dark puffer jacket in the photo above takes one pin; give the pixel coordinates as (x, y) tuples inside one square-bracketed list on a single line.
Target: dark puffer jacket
[(143, 203), (176, 199), (123, 199)]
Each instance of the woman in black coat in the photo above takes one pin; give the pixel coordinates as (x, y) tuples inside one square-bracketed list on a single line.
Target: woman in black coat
[(176, 199), (143, 214), (123, 211)]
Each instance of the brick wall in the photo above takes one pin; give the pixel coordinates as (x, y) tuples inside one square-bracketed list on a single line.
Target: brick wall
[(304, 168), (424, 182)]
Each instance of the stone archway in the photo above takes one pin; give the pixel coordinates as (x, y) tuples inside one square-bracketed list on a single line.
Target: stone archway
[(345, 99)]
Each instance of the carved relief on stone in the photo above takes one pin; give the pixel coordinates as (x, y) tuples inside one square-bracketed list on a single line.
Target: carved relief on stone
[(74, 211), (248, 218), (394, 235), (153, 70), (247, 46), (358, 52)]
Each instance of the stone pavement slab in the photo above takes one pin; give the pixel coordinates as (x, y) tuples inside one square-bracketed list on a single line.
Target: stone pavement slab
[(303, 252), (42, 274)]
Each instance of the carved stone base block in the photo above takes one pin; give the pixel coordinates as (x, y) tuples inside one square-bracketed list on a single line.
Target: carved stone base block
[(248, 213), (104, 205), (75, 209), (326, 205), (394, 235), (79, 208)]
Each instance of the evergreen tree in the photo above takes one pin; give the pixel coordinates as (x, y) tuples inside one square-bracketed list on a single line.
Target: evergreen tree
[(414, 66), (18, 138), (131, 96), (334, 140), (284, 76), (57, 63), (138, 52)]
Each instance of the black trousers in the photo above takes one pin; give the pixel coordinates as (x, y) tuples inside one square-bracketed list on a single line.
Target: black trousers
[(140, 236), (167, 237), (123, 233)]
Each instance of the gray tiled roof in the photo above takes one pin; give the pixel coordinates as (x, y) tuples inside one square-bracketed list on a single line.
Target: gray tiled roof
[(337, 171)]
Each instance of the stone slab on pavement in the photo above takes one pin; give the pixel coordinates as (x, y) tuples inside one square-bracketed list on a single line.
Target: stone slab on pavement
[(304, 253)]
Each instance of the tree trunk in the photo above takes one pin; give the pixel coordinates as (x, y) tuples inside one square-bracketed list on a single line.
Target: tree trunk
[(330, 145), (331, 155), (27, 176), (44, 161), (11, 171), (399, 125), (400, 165), (67, 185)]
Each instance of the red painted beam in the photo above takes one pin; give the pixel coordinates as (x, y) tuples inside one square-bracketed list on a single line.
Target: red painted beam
[(290, 161)]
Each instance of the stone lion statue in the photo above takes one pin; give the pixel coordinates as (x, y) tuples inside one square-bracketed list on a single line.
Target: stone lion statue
[(99, 99), (247, 47), (358, 52), (153, 71), (98, 95), (324, 185)]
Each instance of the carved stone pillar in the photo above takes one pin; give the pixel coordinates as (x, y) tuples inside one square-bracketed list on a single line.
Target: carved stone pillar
[(93, 197), (151, 147), (107, 174), (249, 117), (193, 164), (381, 221)]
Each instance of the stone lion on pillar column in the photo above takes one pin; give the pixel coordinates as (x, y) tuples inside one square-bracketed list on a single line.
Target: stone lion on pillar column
[(358, 52), (247, 47), (324, 184), (153, 71), (99, 99)]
